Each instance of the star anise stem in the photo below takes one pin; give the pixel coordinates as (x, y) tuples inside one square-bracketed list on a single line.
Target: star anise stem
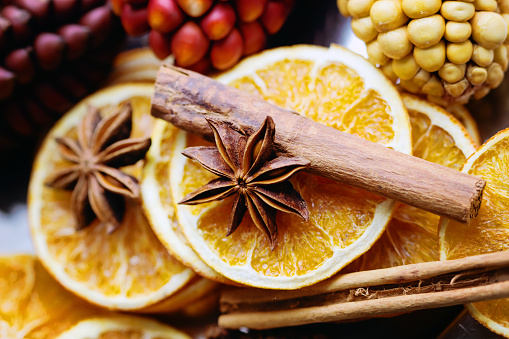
[(245, 170), (101, 147)]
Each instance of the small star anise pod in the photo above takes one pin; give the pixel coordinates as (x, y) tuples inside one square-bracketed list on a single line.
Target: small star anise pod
[(98, 186), (245, 169)]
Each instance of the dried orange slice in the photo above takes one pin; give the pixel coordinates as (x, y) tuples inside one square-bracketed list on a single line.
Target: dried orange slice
[(332, 86), (158, 203), (411, 236), (128, 269), (33, 304), (122, 327), (489, 231)]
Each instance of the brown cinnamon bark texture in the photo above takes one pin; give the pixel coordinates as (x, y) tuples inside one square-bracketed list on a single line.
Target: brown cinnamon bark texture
[(371, 293), (185, 99)]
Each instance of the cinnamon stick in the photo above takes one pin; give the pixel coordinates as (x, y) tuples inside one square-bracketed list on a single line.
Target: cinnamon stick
[(359, 295), (384, 276), (185, 99), (362, 309)]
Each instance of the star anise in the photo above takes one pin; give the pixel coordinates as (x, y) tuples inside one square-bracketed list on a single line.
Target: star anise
[(98, 186), (245, 169)]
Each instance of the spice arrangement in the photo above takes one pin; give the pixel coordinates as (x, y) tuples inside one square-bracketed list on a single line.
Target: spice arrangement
[(300, 186)]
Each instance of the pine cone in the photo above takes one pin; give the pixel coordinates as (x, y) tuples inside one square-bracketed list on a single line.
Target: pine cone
[(448, 51), (52, 54)]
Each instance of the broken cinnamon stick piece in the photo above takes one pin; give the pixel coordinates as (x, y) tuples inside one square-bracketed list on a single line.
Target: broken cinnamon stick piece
[(185, 99)]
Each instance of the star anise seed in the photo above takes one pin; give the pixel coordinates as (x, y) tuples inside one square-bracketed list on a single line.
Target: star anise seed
[(98, 186), (245, 170)]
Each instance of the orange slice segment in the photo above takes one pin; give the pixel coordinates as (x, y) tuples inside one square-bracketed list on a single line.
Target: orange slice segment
[(330, 86), (128, 269), (411, 236), (489, 231)]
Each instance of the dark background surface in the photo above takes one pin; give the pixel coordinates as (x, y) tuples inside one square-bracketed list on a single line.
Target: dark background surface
[(312, 22)]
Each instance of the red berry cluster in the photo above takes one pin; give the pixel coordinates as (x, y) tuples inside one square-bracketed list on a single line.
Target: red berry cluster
[(52, 53), (201, 33)]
